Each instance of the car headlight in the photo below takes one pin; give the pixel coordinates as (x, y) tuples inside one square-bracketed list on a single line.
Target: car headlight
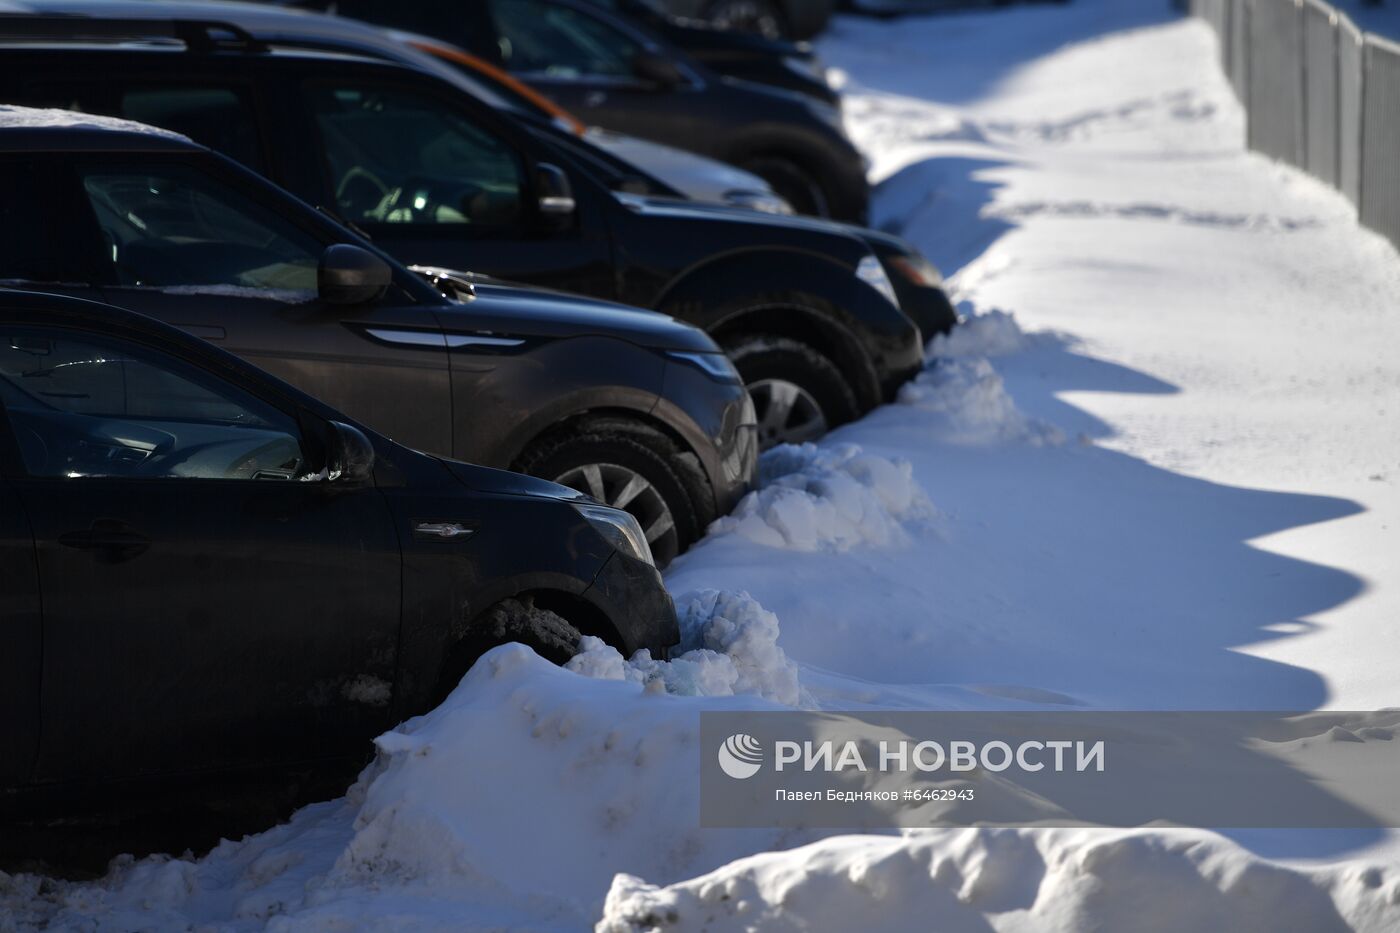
[(764, 201), (869, 271), (619, 529), (715, 365), (917, 270)]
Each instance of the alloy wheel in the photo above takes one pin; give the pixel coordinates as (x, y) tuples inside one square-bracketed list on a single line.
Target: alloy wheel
[(624, 488), (787, 413)]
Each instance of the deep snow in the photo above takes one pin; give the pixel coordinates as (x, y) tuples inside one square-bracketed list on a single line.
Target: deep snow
[(1157, 469)]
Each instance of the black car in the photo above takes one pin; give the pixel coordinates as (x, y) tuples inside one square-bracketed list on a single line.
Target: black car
[(799, 19), (804, 307), (613, 72), (639, 410), (203, 568), (754, 55)]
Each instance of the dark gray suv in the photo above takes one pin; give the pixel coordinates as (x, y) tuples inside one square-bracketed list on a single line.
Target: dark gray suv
[(632, 407)]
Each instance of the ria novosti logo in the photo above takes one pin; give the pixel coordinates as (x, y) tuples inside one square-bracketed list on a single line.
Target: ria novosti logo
[(740, 756)]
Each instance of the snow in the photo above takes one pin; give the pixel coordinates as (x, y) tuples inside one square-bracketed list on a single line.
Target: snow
[(729, 645), (29, 118), (1163, 455)]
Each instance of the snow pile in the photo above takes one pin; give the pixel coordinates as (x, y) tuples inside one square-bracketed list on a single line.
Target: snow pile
[(990, 333), (980, 879), (971, 405), (834, 498), (32, 118), (512, 805), (729, 645)]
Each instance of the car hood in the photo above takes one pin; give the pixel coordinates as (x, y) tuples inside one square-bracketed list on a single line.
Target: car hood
[(705, 210), (505, 483), (526, 311), (693, 175)]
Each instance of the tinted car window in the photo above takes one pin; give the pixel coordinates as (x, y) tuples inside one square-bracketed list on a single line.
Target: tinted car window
[(83, 405), (221, 118), (399, 157), (174, 226), (26, 203), (545, 38), (217, 117)]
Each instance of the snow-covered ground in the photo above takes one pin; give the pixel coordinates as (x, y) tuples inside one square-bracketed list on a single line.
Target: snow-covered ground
[(1158, 468)]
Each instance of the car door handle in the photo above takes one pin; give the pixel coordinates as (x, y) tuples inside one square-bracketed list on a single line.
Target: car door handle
[(116, 539)]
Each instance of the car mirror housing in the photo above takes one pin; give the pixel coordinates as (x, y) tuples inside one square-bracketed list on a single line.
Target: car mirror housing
[(350, 275), (349, 455), (556, 193), (656, 69)]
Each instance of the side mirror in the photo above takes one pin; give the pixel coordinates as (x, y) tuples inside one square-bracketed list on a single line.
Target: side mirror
[(349, 455), (556, 194), (349, 275), (656, 69)]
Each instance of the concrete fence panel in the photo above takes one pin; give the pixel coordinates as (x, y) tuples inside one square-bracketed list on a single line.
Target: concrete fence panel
[(1275, 93), (1320, 135), (1380, 138), (1351, 45)]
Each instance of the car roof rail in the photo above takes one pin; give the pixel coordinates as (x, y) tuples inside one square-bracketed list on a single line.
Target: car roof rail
[(197, 35)]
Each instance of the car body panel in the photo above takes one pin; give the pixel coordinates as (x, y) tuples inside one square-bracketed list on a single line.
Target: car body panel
[(264, 623)]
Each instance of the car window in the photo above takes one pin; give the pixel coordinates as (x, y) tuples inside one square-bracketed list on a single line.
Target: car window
[(544, 38), (27, 253), (176, 226), (219, 117), (399, 157), (85, 405)]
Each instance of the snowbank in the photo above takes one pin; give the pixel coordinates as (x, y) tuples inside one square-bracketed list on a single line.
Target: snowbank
[(729, 645), (969, 404), (511, 805), (828, 498), (990, 333), (1009, 880)]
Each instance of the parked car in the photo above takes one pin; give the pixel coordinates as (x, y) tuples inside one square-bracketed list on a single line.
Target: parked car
[(752, 55), (804, 307), (634, 408), (614, 73), (205, 568), (798, 19), (673, 170)]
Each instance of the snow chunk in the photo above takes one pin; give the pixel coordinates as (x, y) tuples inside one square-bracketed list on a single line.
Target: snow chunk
[(991, 333), (729, 645), (834, 498), (975, 879), (973, 406), (43, 118)]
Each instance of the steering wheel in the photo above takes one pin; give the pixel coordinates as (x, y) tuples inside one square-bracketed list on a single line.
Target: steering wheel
[(435, 194), (361, 178)]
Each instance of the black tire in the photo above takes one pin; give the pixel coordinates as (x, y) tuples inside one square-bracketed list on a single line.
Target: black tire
[(643, 452), (762, 359), (550, 635), (792, 183), (764, 17)]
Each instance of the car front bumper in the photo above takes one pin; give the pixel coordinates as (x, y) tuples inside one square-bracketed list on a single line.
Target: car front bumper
[(631, 593)]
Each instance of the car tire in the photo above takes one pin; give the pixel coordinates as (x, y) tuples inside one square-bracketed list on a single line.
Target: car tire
[(607, 462), (550, 635), (764, 17), (772, 368), (792, 183)]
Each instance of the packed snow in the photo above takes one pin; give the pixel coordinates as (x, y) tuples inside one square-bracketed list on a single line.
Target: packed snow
[(34, 118), (1155, 469)]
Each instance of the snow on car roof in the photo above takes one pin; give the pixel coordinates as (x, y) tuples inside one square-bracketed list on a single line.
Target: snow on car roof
[(28, 118)]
